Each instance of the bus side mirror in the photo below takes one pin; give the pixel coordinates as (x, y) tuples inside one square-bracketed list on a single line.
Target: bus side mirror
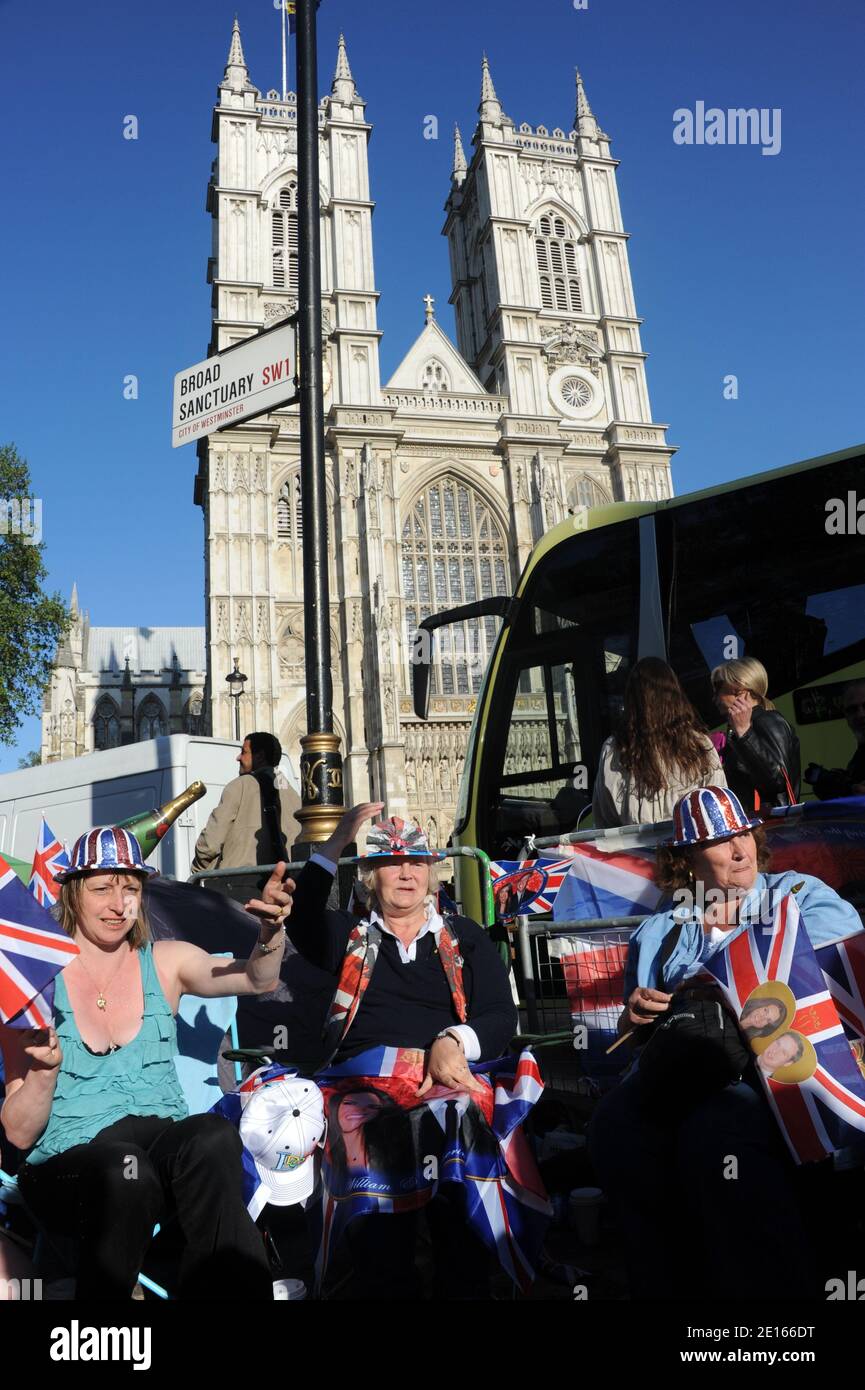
[(421, 666)]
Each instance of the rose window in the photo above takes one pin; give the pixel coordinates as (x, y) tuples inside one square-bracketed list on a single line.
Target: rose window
[(575, 392)]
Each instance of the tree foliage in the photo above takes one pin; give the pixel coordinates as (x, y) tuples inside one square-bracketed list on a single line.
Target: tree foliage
[(31, 621)]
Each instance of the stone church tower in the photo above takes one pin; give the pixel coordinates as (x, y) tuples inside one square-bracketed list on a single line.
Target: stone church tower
[(440, 479)]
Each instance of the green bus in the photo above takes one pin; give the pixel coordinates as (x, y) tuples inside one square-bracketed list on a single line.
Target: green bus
[(771, 566)]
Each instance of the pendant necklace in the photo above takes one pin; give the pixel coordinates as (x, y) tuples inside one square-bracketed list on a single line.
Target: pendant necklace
[(101, 1001)]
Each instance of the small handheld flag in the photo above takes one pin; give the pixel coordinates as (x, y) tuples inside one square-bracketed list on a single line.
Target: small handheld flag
[(50, 858)]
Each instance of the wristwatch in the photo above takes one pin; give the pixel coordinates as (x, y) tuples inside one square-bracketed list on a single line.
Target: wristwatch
[(450, 1033)]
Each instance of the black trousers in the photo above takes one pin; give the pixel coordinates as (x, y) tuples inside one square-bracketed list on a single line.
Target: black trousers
[(707, 1204), (111, 1192), (383, 1247)]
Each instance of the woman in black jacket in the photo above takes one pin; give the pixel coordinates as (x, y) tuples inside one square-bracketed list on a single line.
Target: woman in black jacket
[(419, 997), (760, 751)]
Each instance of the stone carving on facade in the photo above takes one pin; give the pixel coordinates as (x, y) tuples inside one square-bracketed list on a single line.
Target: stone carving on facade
[(274, 312), (242, 629), (291, 649), (564, 344), (221, 622), (259, 481), (538, 176), (390, 712), (240, 474)]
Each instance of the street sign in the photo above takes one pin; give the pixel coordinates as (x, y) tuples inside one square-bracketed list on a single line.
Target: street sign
[(248, 379)]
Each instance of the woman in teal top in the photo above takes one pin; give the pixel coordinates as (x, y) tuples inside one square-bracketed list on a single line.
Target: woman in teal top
[(97, 1102)]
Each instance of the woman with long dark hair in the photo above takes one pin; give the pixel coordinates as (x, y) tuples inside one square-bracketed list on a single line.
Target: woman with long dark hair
[(659, 751)]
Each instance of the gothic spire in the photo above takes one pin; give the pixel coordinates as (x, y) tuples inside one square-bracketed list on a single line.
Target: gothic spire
[(584, 119), (490, 108), (73, 602), (236, 78), (459, 170), (235, 52), (343, 87)]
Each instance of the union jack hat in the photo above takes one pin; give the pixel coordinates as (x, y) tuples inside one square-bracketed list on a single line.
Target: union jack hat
[(707, 815), (109, 849), (394, 839)]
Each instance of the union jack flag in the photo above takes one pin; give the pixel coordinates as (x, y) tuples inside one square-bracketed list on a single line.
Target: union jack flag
[(843, 966), (527, 886), (33, 948), (50, 858), (603, 883), (593, 966), (815, 1089)]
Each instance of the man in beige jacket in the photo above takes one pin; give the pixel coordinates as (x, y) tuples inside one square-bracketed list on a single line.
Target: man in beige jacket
[(253, 822)]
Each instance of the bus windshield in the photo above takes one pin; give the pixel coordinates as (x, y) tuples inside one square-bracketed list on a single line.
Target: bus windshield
[(757, 573), (751, 571)]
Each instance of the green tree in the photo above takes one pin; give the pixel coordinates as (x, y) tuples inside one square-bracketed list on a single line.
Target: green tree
[(33, 759), (31, 621)]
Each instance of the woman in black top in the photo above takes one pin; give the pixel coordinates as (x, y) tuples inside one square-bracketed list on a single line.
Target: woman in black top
[(434, 992), (760, 752)]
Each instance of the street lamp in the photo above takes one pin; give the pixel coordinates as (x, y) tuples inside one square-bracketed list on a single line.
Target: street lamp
[(236, 681)]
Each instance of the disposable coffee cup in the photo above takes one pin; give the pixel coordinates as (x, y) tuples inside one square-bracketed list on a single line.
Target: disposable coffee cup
[(584, 1208), (289, 1290)]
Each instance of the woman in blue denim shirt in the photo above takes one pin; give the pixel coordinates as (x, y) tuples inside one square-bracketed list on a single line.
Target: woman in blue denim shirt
[(720, 1173)]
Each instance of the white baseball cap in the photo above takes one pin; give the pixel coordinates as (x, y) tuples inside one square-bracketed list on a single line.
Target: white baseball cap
[(282, 1125)]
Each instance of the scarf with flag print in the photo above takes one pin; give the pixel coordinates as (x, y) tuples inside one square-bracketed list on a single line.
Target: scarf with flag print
[(471, 1139), (819, 1099), (358, 963)]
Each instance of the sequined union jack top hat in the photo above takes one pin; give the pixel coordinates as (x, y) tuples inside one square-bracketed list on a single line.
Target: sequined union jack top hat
[(394, 839), (109, 849), (708, 814)]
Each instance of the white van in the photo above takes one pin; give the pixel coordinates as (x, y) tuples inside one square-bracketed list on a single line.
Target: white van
[(103, 788)]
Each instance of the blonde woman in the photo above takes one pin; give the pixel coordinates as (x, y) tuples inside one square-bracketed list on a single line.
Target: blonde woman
[(95, 1103), (760, 751)]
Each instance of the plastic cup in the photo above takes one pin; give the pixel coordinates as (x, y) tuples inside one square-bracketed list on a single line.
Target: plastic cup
[(584, 1209)]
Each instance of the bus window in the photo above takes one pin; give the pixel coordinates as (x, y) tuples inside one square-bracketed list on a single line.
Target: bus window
[(560, 686), (755, 573)]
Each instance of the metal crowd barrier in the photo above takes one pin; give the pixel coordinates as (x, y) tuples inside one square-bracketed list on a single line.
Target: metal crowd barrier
[(463, 851)]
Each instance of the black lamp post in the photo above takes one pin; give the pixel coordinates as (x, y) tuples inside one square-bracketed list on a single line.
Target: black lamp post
[(236, 681), (320, 761)]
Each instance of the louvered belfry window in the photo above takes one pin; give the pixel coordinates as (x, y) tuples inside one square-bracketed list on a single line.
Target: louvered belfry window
[(558, 269), (289, 510), (284, 233), (453, 551)]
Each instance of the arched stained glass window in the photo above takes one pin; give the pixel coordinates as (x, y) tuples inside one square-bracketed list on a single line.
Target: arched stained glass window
[(284, 238), (587, 492), (106, 725), (453, 551), (151, 719)]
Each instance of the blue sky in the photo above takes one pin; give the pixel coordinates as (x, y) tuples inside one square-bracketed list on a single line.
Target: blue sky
[(742, 263)]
